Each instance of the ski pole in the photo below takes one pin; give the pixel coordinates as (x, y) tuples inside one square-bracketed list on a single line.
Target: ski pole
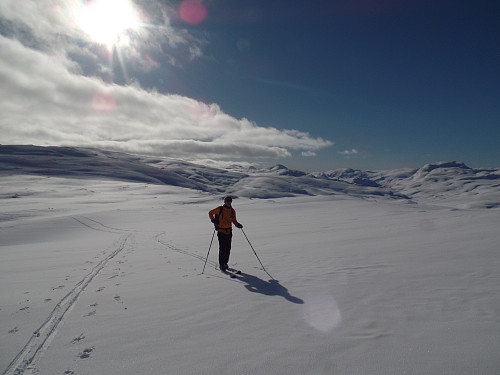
[(208, 251), (256, 254)]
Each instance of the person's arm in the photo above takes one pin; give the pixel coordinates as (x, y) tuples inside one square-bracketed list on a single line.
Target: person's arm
[(235, 222), (212, 214)]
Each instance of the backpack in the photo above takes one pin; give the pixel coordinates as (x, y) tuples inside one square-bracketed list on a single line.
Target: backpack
[(221, 210)]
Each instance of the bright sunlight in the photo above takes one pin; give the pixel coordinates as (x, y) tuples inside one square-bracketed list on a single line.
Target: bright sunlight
[(106, 21)]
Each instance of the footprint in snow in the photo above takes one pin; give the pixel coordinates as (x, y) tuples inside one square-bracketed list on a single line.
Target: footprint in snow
[(86, 353), (78, 339), (14, 330)]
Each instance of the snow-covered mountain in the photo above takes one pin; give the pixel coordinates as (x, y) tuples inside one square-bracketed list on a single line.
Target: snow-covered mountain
[(444, 183), (439, 183)]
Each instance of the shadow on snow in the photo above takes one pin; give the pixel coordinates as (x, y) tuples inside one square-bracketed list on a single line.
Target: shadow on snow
[(268, 288)]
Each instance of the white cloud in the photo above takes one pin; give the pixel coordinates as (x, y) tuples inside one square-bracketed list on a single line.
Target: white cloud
[(43, 102), (53, 90), (53, 26), (349, 153), (44, 19)]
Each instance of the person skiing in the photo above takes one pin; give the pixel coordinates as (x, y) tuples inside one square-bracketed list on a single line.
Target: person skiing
[(223, 217)]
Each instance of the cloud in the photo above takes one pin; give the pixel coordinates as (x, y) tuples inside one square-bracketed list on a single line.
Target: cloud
[(57, 89), (53, 27), (349, 153), (44, 101)]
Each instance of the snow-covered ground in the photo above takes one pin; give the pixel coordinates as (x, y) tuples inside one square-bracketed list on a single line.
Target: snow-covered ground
[(387, 273)]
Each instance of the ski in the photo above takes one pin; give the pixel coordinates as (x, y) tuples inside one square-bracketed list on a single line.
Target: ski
[(231, 272)]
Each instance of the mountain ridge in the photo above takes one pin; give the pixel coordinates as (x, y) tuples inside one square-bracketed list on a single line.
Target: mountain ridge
[(435, 182)]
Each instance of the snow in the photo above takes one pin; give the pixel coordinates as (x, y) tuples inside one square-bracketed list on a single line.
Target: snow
[(102, 275)]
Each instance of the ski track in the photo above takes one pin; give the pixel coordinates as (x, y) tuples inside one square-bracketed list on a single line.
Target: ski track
[(185, 252), (25, 360), (197, 256), (96, 225)]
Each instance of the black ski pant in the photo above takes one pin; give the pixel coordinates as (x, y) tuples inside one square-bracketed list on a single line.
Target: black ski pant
[(224, 247)]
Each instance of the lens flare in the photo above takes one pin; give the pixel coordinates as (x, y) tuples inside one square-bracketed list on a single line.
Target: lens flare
[(321, 312), (103, 102), (193, 11)]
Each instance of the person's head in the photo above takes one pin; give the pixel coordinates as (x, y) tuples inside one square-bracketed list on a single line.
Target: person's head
[(228, 201)]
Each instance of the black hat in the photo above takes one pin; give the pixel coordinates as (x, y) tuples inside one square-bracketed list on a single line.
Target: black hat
[(228, 198)]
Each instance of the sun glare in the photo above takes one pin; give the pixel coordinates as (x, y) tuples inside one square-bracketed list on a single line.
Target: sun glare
[(106, 21)]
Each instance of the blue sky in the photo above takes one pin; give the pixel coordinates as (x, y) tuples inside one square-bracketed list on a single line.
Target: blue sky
[(313, 85)]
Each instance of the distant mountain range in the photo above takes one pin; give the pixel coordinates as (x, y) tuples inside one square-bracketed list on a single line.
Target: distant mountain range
[(445, 183)]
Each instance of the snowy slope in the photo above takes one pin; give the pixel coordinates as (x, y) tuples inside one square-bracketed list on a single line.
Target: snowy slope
[(450, 183), (103, 276), (445, 183), (81, 162)]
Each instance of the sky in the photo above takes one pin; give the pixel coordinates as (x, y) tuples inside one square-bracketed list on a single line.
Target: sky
[(314, 85)]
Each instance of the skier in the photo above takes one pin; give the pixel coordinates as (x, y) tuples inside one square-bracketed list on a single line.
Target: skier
[(223, 217)]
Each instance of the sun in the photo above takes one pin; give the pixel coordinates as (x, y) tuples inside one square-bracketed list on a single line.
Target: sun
[(106, 21)]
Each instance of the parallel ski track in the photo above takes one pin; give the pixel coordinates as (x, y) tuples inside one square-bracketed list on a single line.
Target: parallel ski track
[(25, 360)]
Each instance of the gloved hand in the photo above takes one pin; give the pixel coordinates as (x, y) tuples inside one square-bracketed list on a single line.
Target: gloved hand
[(239, 226)]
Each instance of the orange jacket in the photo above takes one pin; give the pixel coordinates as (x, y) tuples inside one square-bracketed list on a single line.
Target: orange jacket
[(227, 217)]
